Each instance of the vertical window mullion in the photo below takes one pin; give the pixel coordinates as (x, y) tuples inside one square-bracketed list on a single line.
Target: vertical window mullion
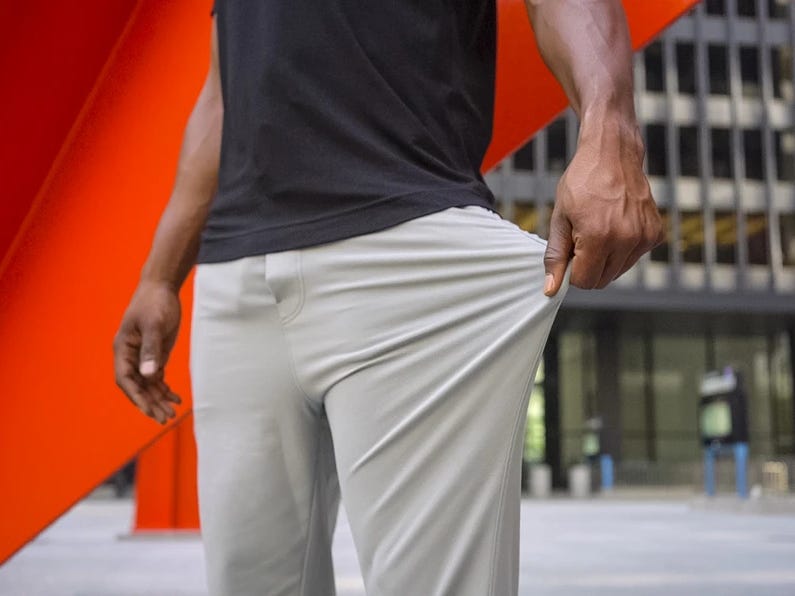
[(704, 148)]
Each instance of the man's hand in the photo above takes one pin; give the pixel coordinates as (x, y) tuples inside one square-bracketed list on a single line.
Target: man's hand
[(605, 218), (142, 346), (149, 327)]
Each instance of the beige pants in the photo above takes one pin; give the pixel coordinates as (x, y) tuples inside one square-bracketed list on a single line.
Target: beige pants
[(413, 349)]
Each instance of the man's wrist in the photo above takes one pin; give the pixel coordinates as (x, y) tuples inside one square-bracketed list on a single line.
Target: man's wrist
[(612, 127), (162, 280)]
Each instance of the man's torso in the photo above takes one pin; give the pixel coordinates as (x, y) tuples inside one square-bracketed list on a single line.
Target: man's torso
[(344, 117)]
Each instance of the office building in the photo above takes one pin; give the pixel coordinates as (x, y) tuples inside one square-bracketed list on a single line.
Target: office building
[(716, 101)]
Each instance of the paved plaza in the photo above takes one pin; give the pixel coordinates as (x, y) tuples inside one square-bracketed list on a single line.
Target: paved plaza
[(594, 548)]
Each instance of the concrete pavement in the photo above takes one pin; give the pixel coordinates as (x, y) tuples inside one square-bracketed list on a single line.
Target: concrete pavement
[(593, 548)]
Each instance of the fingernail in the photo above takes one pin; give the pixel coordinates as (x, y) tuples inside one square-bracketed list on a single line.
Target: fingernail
[(148, 367), (549, 283)]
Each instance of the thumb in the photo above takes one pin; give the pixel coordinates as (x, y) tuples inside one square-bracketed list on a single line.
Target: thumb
[(556, 258), (151, 355)]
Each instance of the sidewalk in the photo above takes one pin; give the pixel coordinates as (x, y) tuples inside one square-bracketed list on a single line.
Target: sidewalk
[(588, 548)]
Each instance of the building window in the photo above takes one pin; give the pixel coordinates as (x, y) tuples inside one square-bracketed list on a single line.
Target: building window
[(749, 71), (785, 154), (679, 361), (787, 229), (556, 145), (722, 153), (746, 8), (754, 163), (525, 215), (656, 150), (726, 237), (686, 68), (778, 9), (654, 64), (524, 158), (688, 151), (662, 252), (718, 70), (756, 235), (691, 229), (781, 62), (716, 7)]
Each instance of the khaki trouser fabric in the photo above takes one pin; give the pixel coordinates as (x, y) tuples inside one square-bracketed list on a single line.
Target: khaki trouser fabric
[(414, 349)]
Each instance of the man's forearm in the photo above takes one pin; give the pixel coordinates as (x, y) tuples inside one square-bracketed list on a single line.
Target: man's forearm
[(605, 217), (176, 241), (586, 45)]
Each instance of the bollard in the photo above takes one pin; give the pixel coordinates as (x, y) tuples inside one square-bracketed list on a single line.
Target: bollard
[(709, 471), (540, 481), (741, 469), (606, 470), (580, 481), (740, 453)]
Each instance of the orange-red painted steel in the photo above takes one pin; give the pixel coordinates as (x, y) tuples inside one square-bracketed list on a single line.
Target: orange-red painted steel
[(74, 263), (90, 194), (165, 484), (50, 57)]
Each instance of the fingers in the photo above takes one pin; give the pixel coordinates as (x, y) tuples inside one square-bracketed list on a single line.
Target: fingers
[(630, 261), (151, 355), (152, 399), (587, 267), (612, 269), (653, 236), (158, 399), (152, 396), (136, 394), (559, 250)]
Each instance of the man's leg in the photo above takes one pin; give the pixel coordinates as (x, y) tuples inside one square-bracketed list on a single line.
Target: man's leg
[(268, 490), (426, 338)]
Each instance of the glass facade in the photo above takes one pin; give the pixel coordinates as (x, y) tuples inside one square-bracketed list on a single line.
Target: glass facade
[(660, 365), (716, 100)]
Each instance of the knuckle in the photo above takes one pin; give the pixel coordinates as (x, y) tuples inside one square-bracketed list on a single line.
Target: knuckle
[(653, 236), (605, 240), (652, 240), (581, 280), (552, 257), (120, 339), (151, 325), (592, 237), (630, 262)]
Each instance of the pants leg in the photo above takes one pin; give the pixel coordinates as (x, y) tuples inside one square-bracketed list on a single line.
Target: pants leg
[(423, 341), (268, 490)]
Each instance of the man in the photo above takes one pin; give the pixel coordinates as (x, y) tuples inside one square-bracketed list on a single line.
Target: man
[(363, 322)]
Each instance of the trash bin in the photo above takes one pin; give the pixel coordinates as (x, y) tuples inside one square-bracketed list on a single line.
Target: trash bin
[(540, 481), (580, 481)]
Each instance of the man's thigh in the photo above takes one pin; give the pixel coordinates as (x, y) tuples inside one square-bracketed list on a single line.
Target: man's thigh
[(427, 339), (267, 485)]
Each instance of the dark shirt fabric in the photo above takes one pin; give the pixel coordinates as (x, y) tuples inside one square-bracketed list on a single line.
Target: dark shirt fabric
[(345, 117)]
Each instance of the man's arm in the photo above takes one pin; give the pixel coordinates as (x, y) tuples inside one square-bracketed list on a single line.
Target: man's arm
[(176, 241), (149, 327), (605, 218)]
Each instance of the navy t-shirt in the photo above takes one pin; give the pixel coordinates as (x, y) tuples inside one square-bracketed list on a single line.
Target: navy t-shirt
[(344, 117)]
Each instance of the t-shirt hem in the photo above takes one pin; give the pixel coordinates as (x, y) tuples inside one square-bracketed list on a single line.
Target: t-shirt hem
[(370, 218)]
